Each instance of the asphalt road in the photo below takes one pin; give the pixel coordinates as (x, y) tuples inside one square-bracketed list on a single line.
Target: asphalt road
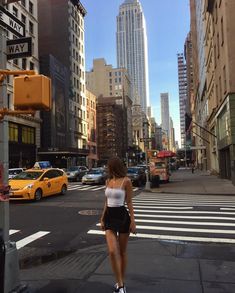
[(57, 225)]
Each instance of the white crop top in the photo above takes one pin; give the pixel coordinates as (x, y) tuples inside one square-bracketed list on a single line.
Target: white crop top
[(115, 196)]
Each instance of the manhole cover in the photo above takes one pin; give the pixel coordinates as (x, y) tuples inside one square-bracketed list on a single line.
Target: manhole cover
[(89, 212)]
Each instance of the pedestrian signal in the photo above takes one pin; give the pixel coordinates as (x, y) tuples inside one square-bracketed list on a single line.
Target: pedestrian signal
[(32, 92)]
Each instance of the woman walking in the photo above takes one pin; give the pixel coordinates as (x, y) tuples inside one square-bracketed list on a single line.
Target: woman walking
[(116, 221)]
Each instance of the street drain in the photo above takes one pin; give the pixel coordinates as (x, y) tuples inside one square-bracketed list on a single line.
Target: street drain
[(89, 212)]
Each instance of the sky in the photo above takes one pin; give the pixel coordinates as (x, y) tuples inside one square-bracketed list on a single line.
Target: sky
[(168, 23)]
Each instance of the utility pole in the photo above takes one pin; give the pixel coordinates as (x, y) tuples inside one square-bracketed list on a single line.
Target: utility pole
[(11, 269), (146, 140)]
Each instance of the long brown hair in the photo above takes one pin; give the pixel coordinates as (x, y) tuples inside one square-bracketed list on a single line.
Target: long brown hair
[(116, 168)]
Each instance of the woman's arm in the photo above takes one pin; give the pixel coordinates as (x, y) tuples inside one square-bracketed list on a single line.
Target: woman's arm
[(104, 209), (129, 194)]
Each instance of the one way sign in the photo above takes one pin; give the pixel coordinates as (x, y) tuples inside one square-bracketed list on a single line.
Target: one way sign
[(19, 48)]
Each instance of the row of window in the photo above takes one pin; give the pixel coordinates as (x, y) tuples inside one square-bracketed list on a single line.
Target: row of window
[(21, 134)]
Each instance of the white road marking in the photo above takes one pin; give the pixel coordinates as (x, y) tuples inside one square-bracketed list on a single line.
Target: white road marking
[(186, 223), (184, 217), (21, 243), (12, 231), (172, 237), (163, 207), (102, 187), (227, 209), (186, 229), (185, 212)]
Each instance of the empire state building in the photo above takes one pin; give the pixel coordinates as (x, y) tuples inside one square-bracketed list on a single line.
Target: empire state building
[(132, 52)]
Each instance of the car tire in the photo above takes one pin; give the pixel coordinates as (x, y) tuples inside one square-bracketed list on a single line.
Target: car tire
[(38, 195), (63, 189)]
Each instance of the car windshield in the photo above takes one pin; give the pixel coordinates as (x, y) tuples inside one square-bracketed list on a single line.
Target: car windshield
[(95, 171), (132, 170), (28, 175), (73, 169)]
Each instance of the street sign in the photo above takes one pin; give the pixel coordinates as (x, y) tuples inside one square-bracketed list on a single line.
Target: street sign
[(19, 48), (12, 23)]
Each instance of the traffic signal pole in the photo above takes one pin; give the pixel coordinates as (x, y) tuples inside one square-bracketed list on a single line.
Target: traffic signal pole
[(11, 269)]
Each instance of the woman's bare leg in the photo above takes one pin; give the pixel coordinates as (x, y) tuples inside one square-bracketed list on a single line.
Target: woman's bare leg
[(123, 240), (114, 254)]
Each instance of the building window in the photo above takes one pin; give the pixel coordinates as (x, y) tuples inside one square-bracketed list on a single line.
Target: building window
[(30, 7), (225, 81), (218, 45), (23, 18), (24, 63), (220, 89), (28, 135), (31, 66), (15, 11), (13, 132), (222, 31), (31, 28), (23, 2)]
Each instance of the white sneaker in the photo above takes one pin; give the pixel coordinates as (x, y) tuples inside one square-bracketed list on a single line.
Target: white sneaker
[(119, 289)]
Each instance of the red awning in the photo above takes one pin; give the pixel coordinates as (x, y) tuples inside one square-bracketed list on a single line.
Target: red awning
[(166, 154)]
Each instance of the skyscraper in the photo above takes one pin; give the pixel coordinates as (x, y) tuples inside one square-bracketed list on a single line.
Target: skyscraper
[(182, 80), (132, 52), (165, 116)]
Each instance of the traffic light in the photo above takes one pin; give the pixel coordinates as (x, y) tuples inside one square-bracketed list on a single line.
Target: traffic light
[(32, 92)]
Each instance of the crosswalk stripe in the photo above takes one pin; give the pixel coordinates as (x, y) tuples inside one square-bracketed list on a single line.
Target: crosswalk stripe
[(102, 187), (23, 242), (163, 207), (12, 231), (213, 231), (172, 237), (185, 223), (184, 217), (185, 212)]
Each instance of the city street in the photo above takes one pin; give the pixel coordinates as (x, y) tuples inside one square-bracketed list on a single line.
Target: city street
[(193, 232)]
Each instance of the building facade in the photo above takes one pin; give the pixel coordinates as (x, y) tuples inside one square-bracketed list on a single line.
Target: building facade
[(132, 52), (104, 80), (92, 129), (24, 131), (61, 33)]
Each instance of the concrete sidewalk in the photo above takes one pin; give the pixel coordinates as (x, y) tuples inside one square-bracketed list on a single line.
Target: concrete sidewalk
[(161, 267), (200, 182)]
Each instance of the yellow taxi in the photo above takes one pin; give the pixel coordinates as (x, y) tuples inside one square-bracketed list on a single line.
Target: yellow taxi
[(37, 183)]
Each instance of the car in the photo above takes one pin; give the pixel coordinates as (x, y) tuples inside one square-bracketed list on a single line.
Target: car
[(95, 175), (75, 173), (12, 172), (137, 175), (33, 184)]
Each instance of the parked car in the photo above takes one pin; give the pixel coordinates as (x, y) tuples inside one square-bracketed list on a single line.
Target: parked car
[(137, 175), (76, 173), (37, 183), (12, 172), (95, 175)]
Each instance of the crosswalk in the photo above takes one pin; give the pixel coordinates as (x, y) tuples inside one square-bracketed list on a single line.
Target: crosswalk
[(26, 240), (79, 186), (175, 217)]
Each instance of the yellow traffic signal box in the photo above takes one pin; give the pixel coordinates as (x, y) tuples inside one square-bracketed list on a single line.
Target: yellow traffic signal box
[(32, 92)]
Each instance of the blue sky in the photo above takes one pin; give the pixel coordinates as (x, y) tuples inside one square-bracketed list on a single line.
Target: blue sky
[(168, 23)]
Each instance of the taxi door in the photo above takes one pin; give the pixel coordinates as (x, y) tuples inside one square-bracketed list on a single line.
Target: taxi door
[(48, 183)]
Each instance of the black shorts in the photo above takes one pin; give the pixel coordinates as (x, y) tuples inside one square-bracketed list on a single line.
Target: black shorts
[(117, 219)]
